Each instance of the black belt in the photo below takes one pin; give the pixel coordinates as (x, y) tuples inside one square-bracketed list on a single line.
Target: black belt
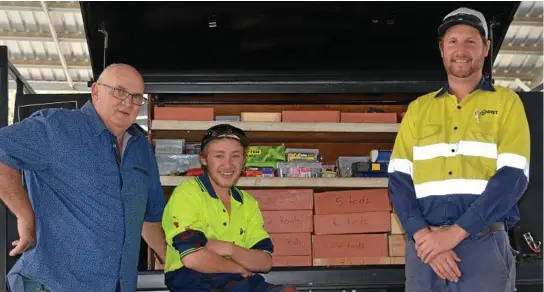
[(497, 226)]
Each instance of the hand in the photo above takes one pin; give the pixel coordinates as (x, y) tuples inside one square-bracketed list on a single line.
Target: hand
[(445, 266), (222, 248), (27, 235), (420, 233), (245, 273), (439, 241)]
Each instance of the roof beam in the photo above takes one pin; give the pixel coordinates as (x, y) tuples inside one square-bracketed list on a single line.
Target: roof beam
[(41, 36), (527, 78), (538, 78), (55, 64), (522, 85), (521, 50), (57, 44), (53, 85), (527, 21), (68, 6), (14, 74)]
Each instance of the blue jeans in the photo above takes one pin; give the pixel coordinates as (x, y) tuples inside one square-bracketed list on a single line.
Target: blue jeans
[(487, 265), (34, 286)]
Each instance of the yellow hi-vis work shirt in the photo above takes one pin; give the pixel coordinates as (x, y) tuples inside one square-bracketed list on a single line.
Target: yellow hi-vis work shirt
[(460, 163), (195, 214)]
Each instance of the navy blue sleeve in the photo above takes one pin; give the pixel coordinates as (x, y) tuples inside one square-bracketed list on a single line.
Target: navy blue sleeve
[(189, 241), (501, 194), (403, 198), (155, 199), (26, 144), (265, 245)]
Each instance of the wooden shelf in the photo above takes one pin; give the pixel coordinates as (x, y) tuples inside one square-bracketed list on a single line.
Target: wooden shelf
[(279, 126), (263, 132), (289, 182)]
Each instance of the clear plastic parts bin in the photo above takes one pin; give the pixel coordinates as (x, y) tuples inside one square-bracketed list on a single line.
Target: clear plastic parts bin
[(169, 146), (172, 164), (299, 169)]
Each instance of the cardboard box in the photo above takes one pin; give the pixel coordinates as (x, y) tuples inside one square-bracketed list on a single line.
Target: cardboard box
[(260, 117), (183, 113), (351, 261), (360, 261), (292, 244), (389, 118), (311, 116), (353, 201), (368, 222), (397, 260), (396, 227), (397, 245), (291, 261), (284, 199), (349, 245), (298, 221)]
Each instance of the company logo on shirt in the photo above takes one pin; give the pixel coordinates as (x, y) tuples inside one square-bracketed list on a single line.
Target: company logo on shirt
[(488, 111)]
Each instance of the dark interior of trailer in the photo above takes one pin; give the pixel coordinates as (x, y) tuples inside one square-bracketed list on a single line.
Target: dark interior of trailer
[(373, 39)]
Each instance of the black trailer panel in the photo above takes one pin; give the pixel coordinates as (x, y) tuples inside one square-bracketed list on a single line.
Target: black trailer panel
[(177, 45)]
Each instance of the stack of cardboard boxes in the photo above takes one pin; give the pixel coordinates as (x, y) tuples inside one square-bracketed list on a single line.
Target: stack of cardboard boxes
[(288, 218), (354, 227), (293, 116)]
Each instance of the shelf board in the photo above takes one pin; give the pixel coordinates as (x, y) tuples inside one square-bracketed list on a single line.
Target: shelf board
[(291, 182), (279, 126)]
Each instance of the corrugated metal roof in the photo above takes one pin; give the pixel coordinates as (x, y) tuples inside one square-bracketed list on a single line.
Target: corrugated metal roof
[(520, 57), (24, 28)]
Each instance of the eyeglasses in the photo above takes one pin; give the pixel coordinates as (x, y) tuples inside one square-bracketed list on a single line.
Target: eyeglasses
[(137, 99)]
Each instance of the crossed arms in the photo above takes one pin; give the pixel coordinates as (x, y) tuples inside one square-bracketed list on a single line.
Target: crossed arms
[(185, 232), (224, 257)]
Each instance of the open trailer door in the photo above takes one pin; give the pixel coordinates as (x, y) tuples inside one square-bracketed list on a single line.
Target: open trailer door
[(347, 55)]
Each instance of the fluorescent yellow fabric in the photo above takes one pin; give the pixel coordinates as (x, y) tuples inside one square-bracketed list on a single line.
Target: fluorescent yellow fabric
[(451, 148), (191, 206)]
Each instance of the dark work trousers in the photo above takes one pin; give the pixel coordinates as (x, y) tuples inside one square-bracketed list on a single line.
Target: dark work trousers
[(487, 265)]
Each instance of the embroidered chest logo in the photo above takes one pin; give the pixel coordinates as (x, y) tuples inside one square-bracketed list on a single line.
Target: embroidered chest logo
[(481, 113), (488, 111)]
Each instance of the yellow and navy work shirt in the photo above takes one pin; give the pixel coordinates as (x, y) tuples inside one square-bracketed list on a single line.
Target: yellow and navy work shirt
[(461, 163), (195, 214)]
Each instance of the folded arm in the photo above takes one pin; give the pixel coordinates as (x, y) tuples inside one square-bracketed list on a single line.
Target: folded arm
[(258, 259), (401, 184), (509, 183), (192, 247)]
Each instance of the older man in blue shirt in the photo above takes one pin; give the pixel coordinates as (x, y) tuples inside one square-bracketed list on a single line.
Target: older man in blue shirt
[(93, 190)]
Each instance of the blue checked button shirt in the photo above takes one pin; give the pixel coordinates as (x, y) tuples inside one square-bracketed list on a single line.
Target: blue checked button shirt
[(89, 201)]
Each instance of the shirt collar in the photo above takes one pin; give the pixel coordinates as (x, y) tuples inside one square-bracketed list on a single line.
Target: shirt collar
[(484, 84), (205, 182), (98, 125)]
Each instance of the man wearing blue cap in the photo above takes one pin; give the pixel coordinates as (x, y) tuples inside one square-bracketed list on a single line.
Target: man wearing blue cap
[(459, 166)]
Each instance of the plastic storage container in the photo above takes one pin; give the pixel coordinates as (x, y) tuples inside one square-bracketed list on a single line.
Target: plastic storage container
[(344, 164), (299, 169), (169, 146), (172, 164)]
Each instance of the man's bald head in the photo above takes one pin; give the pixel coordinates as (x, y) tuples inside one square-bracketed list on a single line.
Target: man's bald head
[(109, 96), (119, 69)]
